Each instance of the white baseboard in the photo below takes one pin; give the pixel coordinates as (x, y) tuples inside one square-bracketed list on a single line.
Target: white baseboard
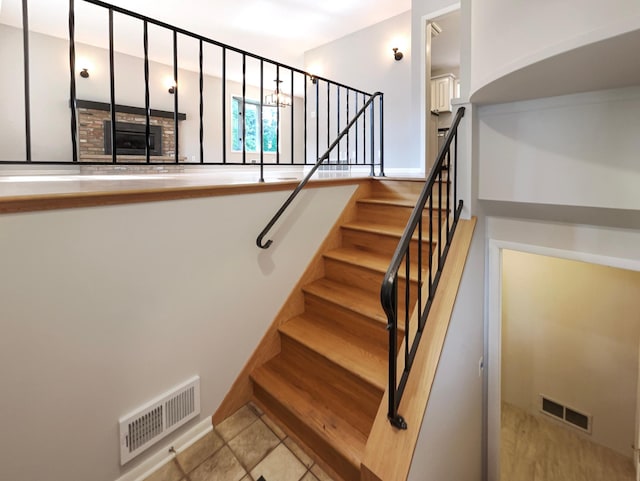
[(162, 454)]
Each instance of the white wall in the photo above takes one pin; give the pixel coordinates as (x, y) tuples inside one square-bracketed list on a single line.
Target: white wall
[(104, 308), (508, 35), (578, 150), (450, 441), (365, 61), (50, 97), (570, 331)]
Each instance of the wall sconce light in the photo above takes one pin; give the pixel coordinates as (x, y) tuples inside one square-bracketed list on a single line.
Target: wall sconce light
[(396, 54), (84, 73), (172, 89)]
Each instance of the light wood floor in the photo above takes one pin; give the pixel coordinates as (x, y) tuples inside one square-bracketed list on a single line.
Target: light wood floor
[(534, 449)]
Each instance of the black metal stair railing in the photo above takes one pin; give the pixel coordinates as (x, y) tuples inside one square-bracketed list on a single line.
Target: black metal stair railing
[(417, 258), (330, 111), (345, 132)]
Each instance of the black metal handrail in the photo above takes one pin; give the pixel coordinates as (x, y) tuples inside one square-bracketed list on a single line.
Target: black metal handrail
[(340, 99), (401, 265), (323, 158)]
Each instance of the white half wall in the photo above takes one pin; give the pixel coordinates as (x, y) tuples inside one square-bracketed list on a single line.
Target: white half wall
[(104, 308), (365, 61), (578, 150), (451, 436), (571, 333)]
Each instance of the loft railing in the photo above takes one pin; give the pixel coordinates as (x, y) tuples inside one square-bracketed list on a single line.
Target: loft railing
[(362, 112), (317, 111), (420, 255)]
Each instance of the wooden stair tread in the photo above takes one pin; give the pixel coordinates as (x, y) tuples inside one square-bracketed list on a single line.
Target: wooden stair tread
[(396, 202), (354, 354), (375, 261), (388, 230), (276, 378), (352, 298)]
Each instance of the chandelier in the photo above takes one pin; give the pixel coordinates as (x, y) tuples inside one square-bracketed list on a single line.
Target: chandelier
[(277, 98)]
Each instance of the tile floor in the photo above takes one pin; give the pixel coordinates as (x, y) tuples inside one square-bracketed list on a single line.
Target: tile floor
[(244, 447)]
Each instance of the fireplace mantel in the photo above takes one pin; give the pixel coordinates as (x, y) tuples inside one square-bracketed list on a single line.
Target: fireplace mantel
[(127, 109)]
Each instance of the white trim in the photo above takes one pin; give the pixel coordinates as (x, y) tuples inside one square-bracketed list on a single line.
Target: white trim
[(494, 327), (163, 456)]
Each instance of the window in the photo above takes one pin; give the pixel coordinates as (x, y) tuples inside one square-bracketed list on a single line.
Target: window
[(253, 118)]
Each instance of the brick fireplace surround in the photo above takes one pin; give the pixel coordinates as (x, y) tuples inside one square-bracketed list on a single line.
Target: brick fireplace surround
[(91, 134)]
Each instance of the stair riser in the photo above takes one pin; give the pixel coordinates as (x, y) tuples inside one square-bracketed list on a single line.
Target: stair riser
[(361, 277), (319, 445), (390, 214), (348, 320), (353, 390), (384, 244), (404, 190)]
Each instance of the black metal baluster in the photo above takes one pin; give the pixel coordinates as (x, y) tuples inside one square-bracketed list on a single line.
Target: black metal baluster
[(147, 108), (364, 132), (430, 244), (348, 136), (447, 212), (27, 80), (440, 218), (338, 120), (201, 65), (262, 126), (292, 119), (317, 121), (356, 128), (244, 109), (392, 327), (455, 171), (112, 89), (305, 117), (407, 301), (72, 82), (175, 97), (372, 139), (224, 105), (278, 115), (420, 324), (381, 135), (329, 118)]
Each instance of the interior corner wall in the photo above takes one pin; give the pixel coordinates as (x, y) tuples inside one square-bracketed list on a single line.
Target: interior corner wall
[(451, 430), (105, 308), (574, 150), (571, 333), (364, 60), (506, 33)]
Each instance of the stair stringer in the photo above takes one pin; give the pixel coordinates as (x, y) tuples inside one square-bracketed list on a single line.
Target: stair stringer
[(389, 451), (269, 346)]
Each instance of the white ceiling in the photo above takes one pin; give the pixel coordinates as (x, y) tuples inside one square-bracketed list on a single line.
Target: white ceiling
[(445, 48), (281, 30)]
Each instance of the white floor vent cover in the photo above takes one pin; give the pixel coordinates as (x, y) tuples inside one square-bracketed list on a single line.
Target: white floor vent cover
[(156, 419), (566, 414)]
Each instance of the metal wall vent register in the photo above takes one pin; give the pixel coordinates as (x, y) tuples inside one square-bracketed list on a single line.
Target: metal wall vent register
[(150, 423), (565, 414)]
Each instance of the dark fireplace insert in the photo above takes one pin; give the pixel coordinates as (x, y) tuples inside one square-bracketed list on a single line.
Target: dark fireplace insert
[(130, 138)]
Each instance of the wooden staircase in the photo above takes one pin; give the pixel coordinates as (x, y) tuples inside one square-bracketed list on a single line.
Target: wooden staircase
[(327, 382)]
